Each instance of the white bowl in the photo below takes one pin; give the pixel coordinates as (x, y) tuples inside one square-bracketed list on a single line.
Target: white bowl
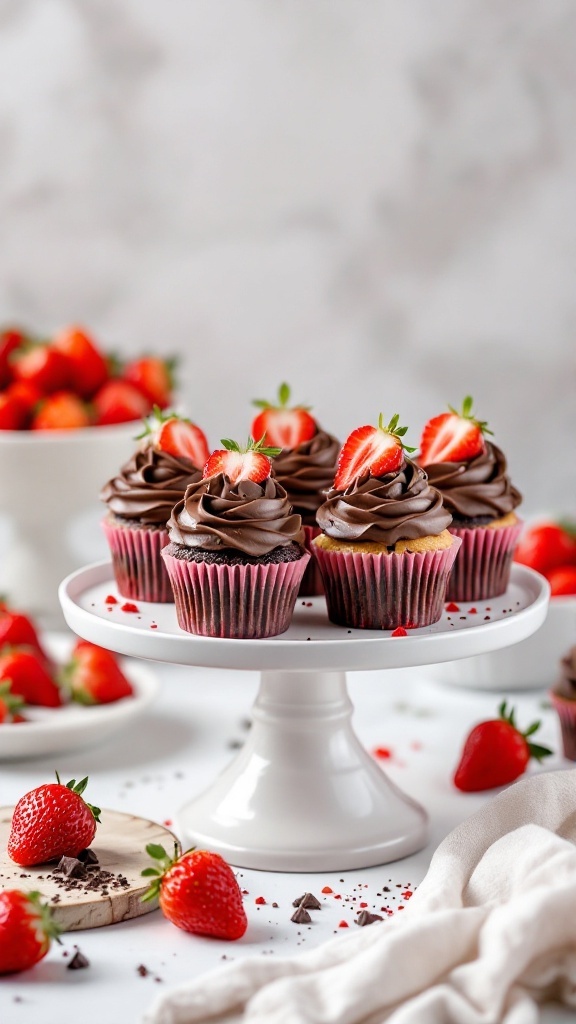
[(532, 664), (48, 479)]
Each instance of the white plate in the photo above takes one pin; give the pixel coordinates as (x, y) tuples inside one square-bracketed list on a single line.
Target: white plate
[(59, 730)]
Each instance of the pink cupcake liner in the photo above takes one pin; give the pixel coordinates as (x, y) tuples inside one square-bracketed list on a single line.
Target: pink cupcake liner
[(482, 568), (139, 570), (567, 714), (312, 584), (239, 601), (372, 591)]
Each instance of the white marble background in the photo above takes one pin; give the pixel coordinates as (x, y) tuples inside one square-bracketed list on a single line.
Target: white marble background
[(373, 199)]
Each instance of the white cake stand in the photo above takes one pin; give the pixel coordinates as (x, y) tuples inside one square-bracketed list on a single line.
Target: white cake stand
[(302, 794)]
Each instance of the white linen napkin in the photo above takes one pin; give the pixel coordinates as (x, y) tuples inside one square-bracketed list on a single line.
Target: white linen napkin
[(489, 934)]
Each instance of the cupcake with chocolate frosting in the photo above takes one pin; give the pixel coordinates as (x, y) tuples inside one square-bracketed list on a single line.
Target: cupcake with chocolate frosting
[(236, 554), (385, 552), (170, 456), (305, 465), (471, 474), (563, 697)]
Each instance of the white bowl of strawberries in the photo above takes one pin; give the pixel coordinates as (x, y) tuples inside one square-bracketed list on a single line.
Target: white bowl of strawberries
[(67, 420)]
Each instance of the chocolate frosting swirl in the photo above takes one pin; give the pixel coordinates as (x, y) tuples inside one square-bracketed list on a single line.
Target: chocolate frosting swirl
[(149, 485), (399, 506), (480, 487), (307, 472), (254, 518), (566, 685)]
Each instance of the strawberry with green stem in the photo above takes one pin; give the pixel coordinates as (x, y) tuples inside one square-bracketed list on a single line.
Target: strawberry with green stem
[(197, 891), (369, 449), (253, 462), (175, 435), (496, 752), (10, 704), (93, 676), (27, 928), (453, 436), (50, 822), (153, 376), (282, 425)]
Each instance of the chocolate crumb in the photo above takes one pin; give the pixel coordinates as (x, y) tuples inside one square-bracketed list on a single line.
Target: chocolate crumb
[(142, 971), (308, 901), (301, 916), (365, 917), (275, 905), (78, 962)]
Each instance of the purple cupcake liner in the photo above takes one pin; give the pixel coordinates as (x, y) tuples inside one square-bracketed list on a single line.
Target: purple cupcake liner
[(567, 714), (312, 584), (372, 591), (139, 570), (235, 601), (482, 568)]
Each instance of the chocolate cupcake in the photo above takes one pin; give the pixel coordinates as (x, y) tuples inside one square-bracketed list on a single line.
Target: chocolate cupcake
[(385, 552), (471, 474), (140, 499), (236, 554), (563, 697), (305, 466)]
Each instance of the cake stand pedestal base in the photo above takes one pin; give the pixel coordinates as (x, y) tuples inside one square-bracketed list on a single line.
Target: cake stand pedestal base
[(303, 794)]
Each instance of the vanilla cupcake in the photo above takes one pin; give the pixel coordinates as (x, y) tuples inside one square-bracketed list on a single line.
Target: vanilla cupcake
[(385, 552), (236, 555), (471, 474), (140, 499)]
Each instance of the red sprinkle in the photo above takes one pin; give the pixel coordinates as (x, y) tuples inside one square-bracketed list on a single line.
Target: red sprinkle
[(168, 821), (337, 896), (406, 895), (110, 599), (153, 625), (343, 924), (327, 889), (382, 752), (260, 900), (363, 904), (473, 611), (488, 609), (452, 607), (129, 607), (399, 632), (400, 908)]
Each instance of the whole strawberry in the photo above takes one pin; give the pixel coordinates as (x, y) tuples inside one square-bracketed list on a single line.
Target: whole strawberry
[(10, 705), (93, 676), (496, 752), (50, 822), (26, 930), (198, 892)]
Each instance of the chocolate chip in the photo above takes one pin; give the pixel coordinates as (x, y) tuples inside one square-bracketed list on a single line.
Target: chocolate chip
[(301, 916), (308, 901), (78, 962), (365, 917)]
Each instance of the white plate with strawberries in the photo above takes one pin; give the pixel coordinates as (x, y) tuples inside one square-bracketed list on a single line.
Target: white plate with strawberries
[(57, 730)]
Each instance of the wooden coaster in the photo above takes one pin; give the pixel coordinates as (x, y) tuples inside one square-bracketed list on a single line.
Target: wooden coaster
[(120, 845)]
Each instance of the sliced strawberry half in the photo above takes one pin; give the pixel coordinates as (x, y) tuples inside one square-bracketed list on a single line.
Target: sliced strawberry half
[(453, 436), (283, 425), (375, 450), (250, 463), (177, 436)]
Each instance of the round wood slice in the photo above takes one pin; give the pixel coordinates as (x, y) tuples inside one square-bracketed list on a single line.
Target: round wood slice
[(120, 845)]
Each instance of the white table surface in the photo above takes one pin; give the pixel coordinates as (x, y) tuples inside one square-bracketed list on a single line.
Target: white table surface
[(170, 754)]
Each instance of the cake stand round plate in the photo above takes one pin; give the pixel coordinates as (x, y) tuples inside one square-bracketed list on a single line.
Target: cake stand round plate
[(302, 794), (120, 845)]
